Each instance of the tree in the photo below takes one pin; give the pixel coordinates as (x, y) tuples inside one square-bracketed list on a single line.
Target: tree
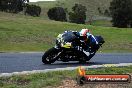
[(32, 10), (78, 15), (57, 13), (121, 12), (106, 12), (100, 11), (13, 6)]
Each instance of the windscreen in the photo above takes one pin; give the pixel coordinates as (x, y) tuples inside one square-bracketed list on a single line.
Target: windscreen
[(68, 36)]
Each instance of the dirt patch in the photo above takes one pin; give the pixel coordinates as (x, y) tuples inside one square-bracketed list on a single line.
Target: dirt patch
[(69, 83)]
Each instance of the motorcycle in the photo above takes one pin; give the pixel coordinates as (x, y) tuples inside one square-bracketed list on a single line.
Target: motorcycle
[(70, 47)]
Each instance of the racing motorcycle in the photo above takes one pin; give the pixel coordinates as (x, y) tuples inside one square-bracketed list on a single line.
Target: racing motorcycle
[(70, 47)]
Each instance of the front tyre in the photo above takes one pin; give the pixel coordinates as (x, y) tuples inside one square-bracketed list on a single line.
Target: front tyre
[(49, 56)]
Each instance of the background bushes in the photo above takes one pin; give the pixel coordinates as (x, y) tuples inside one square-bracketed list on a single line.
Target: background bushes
[(78, 15), (13, 6), (121, 12), (32, 10), (57, 13)]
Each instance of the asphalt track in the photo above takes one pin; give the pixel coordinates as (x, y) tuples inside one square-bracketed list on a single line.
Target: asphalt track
[(18, 62)]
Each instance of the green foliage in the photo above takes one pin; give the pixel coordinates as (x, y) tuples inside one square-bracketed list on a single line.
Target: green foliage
[(13, 6), (121, 11), (99, 10), (78, 15), (106, 12), (32, 10), (57, 13)]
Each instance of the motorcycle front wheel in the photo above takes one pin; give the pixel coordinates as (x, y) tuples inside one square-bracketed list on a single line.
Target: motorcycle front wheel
[(49, 56)]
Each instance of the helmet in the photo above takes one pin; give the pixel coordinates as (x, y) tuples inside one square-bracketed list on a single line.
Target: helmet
[(84, 32)]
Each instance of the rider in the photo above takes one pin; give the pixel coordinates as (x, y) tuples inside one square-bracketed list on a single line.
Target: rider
[(87, 37)]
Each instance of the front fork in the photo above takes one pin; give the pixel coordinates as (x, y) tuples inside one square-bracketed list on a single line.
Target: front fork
[(60, 52)]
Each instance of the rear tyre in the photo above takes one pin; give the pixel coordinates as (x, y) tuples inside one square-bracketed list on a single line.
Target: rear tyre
[(49, 56)]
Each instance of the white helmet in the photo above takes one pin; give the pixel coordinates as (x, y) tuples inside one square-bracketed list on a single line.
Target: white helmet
[(84, 32)]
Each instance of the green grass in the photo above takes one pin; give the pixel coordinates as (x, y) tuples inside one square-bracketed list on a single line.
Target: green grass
[(25, 33), (104, 23), (40, 80), (43, 80)]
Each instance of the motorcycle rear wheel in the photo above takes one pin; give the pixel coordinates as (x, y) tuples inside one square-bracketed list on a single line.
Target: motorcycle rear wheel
[(49, 55)]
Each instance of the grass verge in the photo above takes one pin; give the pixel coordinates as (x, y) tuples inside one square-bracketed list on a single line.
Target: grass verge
[(23, 33), (54, 79)]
